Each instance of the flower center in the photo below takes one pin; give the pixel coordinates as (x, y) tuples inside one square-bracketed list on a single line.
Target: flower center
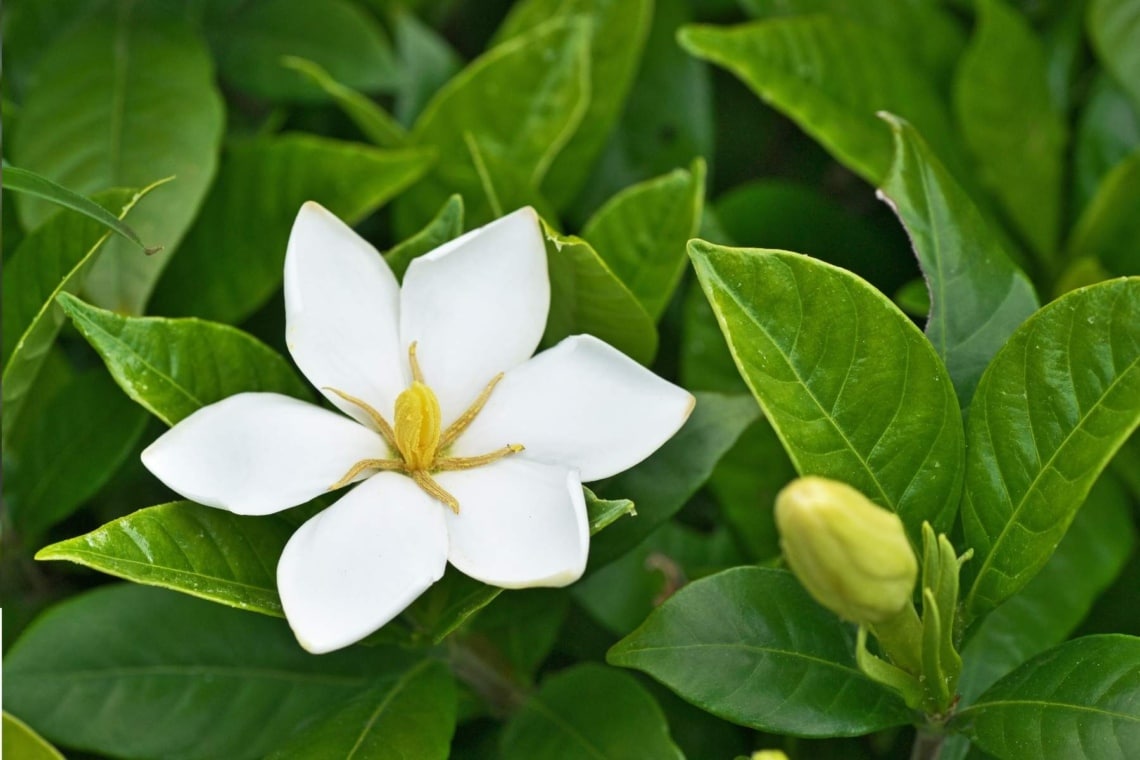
[(417, 438)]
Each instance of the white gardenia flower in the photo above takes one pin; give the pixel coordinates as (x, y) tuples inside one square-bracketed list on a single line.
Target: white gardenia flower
[(470, 451)]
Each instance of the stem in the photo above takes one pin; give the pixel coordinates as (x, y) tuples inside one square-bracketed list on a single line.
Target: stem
[(480, 666), (927, 745)]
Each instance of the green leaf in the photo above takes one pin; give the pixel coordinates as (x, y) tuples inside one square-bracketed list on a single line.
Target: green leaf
[(667, 120), (249, 40), (830, 76), (587, 297), (504, 187), (1052, 408), (205, 552), (1108, 131), (426, 60), (412, 716), (204, 681), (641, 233), (1109, 228), (233, 258), (617, 38), (925, 30), (851, 386), (174, 367), (541, 81), (21, 742), (1008, 119), (1074, 702), (520, 629), (978, 296), (661, 485), (56, 258), (125, 127), (706, 362), (588, 712), (446, 225), (750, 646), (1049, 608), (1114, 27), (30, 183), (69, 451), (372, 120)]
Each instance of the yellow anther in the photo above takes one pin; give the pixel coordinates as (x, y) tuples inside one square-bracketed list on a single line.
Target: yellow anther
[(465, 419), (417, 426), (435, 490), (367, 464), (467, 463), (417, 373), (378, 420)]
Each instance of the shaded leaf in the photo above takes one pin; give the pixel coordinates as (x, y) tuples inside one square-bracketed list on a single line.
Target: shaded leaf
[(233, 258), (641, 233), (446, 225), (1114, 27), (830, 76), (173, 367), (1051, 410), (426, 63), (412, 716), (1109, 228), (589, 712), (205, 681), (1074, 702), (125, 127), (372, 120), (853, 389), (750, 646), (1108, 131), (1017, 141), (978, 297)]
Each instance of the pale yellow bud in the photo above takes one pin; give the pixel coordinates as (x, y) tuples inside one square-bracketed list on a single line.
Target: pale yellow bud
[(417, 426), (850, 554), (769, 754)]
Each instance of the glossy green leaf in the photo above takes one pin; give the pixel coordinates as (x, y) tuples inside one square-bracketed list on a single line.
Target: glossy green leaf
[(1114, 27), (750, 646), (618, 30), (925, 29), (851, 386), (205, 681), (661, 485), (23, 181), (667, 121), (1049, 413), (521, 628), (412, 716), (504, 186), (446, 225), (623, 593), (426, 62), (1076, 702), (706, 362), (124, 127), (1109, 228), (978, 296), (56, 258), (830, 76), (233, 258), (205, 552), (1107, 132), (641, 233), (174, 367), (586, 713), (372, 120), (1010, 123), (68, 451), (587, 297), (249, 40), (541, 81), (1049, 608), (22, 743)]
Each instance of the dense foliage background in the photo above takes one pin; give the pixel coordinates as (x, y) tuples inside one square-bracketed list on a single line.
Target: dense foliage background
[(636, 125)]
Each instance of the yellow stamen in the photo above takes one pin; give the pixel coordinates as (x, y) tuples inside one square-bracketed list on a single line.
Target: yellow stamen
[(466, 463), (378, 420), (367, 464), (435, 490), (465, 419), (417, 426)]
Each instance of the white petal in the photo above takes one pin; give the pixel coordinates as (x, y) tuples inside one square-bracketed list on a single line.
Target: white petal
[(520, 523), (258, 453), (342, 313), (358, 564), (476, 307), (581, 404)]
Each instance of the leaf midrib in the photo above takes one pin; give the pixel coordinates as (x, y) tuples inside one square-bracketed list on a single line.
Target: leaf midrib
[(399, 686), (852, 672)]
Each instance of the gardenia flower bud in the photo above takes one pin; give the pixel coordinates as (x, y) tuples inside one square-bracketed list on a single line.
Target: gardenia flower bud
[(851, 555)]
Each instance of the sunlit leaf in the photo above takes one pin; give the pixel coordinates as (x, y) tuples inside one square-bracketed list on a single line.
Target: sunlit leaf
[(20, 741)]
